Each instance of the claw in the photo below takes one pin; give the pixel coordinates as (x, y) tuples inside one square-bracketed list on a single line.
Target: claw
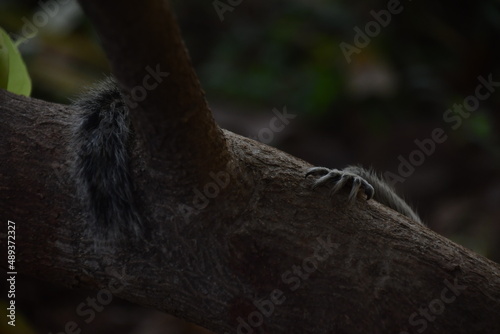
[(339, 179), (317, 171), (356, 184), (332, 175), (369, 191), (340, 183)]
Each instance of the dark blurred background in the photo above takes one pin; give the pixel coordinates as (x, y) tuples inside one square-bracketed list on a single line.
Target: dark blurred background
[(262, 55)]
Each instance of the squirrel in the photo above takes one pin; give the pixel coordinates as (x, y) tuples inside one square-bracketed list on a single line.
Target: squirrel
[(102, 140)]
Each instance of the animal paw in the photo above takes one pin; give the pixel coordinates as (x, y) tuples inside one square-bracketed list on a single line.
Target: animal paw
[(340, 179)]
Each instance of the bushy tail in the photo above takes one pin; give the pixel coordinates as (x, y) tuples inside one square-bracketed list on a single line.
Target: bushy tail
[(101, 139)]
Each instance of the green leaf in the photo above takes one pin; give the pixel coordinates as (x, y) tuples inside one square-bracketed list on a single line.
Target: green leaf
[(4, 62), (14, 76)]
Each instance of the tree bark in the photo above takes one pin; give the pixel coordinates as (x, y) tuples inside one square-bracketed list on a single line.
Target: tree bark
[(168, 107), (266, 238), (240, 244)]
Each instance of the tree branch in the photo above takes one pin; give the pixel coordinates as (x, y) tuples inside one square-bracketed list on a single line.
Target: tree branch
[(275, 256), (170, 113)]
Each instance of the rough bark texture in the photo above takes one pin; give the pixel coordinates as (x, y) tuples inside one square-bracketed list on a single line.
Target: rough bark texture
[(212, 266), (260, 252)]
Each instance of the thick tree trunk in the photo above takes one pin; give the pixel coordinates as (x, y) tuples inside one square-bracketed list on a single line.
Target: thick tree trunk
[(237, 240)]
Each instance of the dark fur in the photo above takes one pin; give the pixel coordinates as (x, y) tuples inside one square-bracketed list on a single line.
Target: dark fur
[(366, 180), (384, 192), (101, 140)]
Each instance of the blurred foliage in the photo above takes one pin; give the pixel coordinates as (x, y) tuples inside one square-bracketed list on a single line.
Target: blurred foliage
[(288, 52)]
